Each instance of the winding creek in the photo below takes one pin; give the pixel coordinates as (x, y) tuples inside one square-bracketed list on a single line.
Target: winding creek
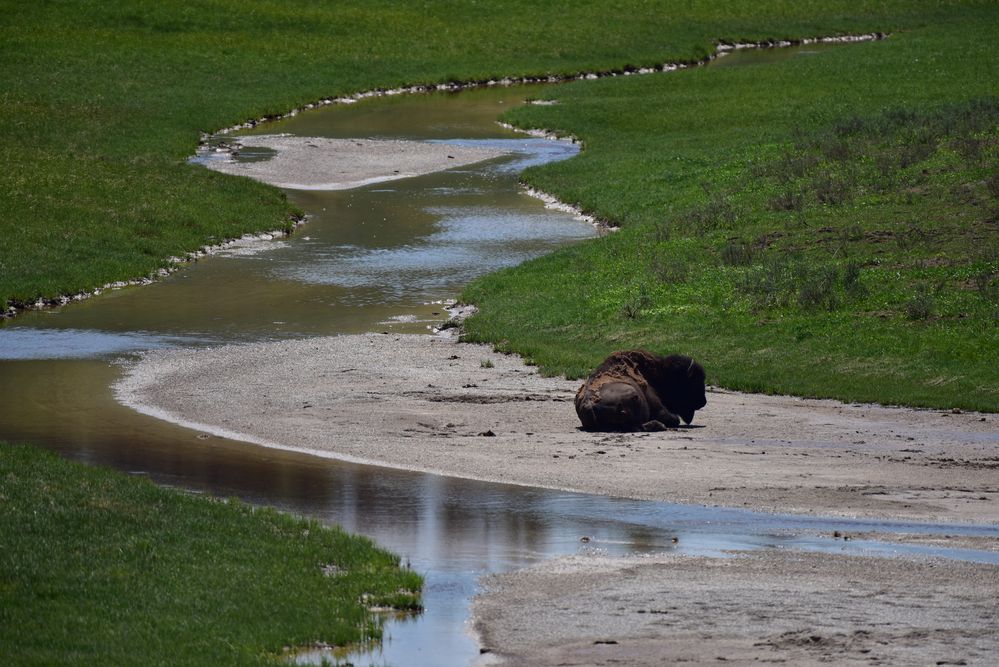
[(381, 257)]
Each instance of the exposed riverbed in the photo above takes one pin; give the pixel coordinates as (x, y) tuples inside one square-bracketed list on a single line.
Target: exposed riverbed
[(382, 258)]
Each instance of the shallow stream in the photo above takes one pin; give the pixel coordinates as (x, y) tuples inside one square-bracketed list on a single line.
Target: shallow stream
[(377, 258)]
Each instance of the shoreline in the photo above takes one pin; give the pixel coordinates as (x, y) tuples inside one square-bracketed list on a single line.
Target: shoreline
[(433, 405), (174, 264), (722, 48)]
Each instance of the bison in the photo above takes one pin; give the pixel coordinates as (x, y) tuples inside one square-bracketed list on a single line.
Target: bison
[(635, 390)]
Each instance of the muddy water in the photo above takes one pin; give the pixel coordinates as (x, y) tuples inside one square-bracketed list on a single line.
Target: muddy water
[(376, 258)]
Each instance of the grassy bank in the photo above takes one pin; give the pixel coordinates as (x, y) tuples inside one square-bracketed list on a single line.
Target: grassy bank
[(822, 226), (100, 568), (100, 104)]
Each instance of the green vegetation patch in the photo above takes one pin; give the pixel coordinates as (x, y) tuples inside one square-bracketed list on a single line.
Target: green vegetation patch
[(823, 226), (101, 568)]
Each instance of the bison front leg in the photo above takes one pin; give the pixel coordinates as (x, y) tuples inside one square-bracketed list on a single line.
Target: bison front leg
[(661, 417)]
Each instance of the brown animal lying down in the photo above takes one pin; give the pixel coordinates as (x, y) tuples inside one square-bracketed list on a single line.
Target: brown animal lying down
[(635, 390)]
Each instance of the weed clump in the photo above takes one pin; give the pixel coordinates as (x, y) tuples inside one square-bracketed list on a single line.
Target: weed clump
[(736, 253), (782, 282), (717, 212), (788, 200), (669, 269), (920, 306)]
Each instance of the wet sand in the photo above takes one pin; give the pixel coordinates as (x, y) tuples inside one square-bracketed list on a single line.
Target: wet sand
[(432, 404), (751, 608), (319, 163)]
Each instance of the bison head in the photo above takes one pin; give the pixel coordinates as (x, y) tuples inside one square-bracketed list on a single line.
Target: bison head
[(682, 388)]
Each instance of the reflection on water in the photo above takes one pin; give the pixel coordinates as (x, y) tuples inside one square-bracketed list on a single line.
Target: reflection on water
[(377, 258), (24, 343)]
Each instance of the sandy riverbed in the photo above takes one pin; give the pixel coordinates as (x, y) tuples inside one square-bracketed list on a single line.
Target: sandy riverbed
[(435, 405), (421, 403), (319, 163)]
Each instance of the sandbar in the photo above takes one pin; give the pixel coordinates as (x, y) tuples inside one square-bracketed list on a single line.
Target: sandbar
[(422, 402), (320, 163)]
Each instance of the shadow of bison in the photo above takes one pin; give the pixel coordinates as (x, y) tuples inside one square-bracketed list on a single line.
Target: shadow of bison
[(635, 390)]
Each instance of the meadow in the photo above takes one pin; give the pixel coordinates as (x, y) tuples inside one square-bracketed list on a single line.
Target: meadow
[(820, 225)]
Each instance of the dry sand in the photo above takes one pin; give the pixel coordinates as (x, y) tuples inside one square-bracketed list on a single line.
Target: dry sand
[(421, 403), (432, 404), (318, 163)]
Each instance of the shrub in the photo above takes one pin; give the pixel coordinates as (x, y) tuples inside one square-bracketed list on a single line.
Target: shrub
[(788, 200), (852, 285), (992, 185), (831, 190), (716, 212), (853, 232), (736, 253), (780, 282), (668, 269), (635, 304), (920, 306), (817, 287)]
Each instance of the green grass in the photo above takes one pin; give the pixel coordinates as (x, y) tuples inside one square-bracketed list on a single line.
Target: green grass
[(101, 103), (826, 226), (100, 568)]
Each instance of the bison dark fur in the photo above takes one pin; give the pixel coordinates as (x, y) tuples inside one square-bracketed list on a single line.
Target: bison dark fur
[(635, 390)]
